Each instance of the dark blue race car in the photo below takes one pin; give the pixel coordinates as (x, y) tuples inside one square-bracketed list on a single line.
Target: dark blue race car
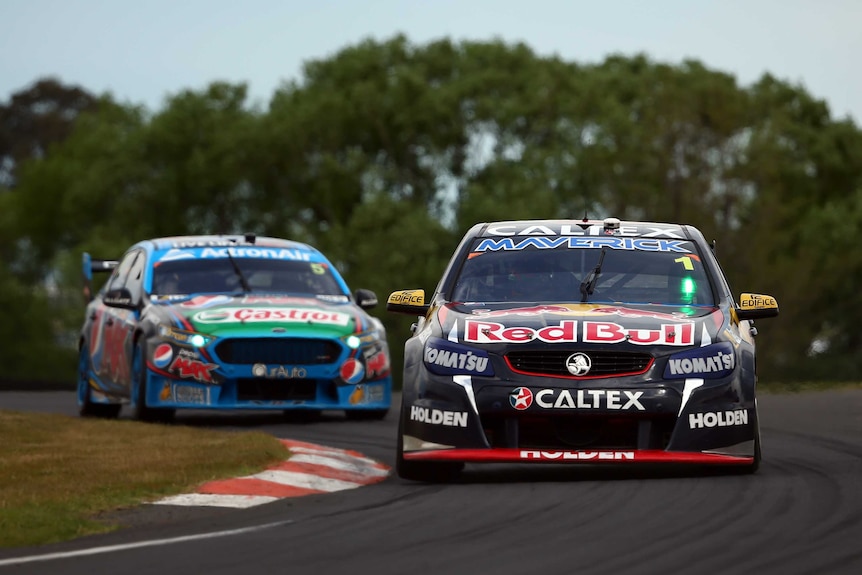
[(568, 341)]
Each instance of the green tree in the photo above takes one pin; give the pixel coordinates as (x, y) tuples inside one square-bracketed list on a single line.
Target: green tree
[(385, 153)]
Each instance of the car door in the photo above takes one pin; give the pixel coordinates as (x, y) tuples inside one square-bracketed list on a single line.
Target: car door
[(112, 343)]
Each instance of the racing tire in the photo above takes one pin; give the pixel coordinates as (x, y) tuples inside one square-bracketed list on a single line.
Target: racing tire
[(86, 406), (754, 465), (425, 471), (366, 414), (140, 410)]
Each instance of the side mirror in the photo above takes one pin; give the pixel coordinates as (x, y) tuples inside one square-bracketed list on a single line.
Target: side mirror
[(121, 298), (365, 298), (756, 306), (410, 301)]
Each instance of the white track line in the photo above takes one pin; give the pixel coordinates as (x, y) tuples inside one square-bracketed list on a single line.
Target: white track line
[(137, 545)]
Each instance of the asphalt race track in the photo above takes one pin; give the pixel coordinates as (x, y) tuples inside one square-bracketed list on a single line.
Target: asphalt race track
[(801, 513)]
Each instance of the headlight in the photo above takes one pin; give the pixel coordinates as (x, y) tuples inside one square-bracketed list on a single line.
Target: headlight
[(357, 340), (446, 358), (709, 362), (372, 360), (184, 337)]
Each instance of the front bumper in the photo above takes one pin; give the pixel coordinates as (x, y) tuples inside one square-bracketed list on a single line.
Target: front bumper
[(271, 374), (609, 420)]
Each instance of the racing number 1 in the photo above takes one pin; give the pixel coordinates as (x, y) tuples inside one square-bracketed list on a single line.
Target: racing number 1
[(686, 263)]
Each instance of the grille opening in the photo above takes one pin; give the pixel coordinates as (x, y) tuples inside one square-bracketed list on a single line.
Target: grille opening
[(579, 432), (256, 389), (553, 362), (278, 350)]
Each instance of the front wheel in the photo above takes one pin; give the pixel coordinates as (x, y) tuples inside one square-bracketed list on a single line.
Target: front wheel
[(140, 410), (755, 465), (426, 471)]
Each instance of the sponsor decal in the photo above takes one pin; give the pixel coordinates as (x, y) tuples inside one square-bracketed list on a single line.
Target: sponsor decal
[(535, 310), (191, 394), (376, 363), (445, 358), (266, 314), (756, 301), (173, 255), (438, 416), (591, 332), (333, 298), (186, 244), (365, 394), (730, 418), (578, 364), (608, 399), (357, 396), (580, 230), (163, 355), (167, 332), (614, 243), (710, 362), (206, 301), (582, 310), (352, 371), (374, 393), (278, 371), (408, 297), (260, 253), (629, 312), (188, 367), (521, 398), (577, 455)]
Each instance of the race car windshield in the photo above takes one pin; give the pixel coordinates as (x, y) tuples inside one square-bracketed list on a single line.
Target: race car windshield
[(263, 276), (507, 272)]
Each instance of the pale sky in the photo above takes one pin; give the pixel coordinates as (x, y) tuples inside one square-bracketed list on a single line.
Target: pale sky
[(143, 50)]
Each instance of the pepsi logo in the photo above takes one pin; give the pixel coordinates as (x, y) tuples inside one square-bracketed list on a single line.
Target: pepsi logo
[(352, 371), (163, 355)]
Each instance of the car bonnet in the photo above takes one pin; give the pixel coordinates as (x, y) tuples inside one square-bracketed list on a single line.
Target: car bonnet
[(626, 325)]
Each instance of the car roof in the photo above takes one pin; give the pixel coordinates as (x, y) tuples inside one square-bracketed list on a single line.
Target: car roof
[(553, 227), (223, 240)]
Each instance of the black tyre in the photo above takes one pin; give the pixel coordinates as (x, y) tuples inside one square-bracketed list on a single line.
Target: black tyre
[(426, 471), (755, 465), (141, 411)]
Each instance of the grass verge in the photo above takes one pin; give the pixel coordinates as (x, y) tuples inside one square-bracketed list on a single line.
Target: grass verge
[(58, 472)]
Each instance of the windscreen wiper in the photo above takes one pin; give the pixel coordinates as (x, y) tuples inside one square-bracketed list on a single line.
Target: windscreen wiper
[(588, 286), (242, 281)]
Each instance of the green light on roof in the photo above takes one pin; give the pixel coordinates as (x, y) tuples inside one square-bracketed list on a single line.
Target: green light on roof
[(688, 287)]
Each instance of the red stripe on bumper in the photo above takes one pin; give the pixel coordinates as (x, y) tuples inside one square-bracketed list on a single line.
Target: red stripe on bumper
[(508, 455)]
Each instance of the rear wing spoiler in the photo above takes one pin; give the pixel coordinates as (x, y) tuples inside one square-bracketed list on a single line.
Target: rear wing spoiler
[(91, 265)]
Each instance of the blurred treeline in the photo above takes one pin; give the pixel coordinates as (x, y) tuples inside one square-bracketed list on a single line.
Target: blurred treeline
[(385, 153)]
